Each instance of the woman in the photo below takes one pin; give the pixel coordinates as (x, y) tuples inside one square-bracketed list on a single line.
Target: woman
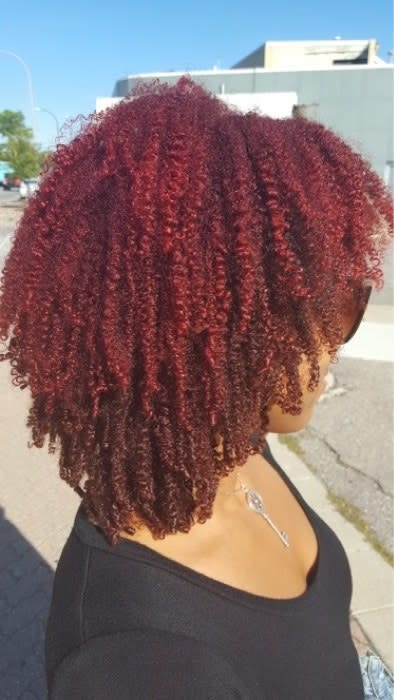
[(177, 289)]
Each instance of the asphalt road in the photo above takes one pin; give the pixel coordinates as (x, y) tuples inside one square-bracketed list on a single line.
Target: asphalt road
[(7, 197), (10, 205), (349, 442)]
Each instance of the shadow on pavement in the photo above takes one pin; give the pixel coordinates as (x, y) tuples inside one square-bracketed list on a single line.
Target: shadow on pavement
[(25, 589)]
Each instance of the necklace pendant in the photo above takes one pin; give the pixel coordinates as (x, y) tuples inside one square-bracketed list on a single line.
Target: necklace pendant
[(284, 537), (256, 503)]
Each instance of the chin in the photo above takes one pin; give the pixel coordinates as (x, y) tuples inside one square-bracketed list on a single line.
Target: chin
[(282, 423)]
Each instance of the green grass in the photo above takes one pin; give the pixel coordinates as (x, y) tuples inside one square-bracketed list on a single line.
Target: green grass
[(354, 516), (347, 510), (292, 443)]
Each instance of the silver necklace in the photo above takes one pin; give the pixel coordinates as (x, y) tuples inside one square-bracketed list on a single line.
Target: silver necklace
[(255, 502)]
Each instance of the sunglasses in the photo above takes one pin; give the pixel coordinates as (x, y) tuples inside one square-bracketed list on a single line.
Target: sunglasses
[(362, 304)]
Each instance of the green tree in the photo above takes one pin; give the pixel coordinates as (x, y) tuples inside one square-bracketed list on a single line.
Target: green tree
[(17, 147), (13, 124), (24, 158)]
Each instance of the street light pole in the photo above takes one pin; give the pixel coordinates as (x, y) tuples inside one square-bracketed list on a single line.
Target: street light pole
[(53, 115), (29, 83)]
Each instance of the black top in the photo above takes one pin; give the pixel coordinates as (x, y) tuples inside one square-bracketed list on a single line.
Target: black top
[(128, 623)]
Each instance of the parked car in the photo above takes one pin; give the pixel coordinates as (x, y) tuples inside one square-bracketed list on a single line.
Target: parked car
[(28, 187), (9, 181)]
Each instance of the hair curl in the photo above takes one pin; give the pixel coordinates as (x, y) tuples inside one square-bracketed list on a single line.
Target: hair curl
[(164, 284)]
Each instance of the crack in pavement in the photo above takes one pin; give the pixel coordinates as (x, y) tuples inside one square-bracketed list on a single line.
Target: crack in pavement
[(346, 465)]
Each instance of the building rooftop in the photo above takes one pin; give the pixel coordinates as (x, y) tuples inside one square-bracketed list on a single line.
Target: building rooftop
[(312, 53)]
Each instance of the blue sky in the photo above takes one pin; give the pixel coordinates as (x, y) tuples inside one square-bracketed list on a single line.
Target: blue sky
[(77, 49)]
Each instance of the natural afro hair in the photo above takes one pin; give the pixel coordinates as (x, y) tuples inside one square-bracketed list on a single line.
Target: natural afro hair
[(177, 263)]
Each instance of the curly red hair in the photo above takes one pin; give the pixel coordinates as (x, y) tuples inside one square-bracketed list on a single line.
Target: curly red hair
[(177, 262)]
